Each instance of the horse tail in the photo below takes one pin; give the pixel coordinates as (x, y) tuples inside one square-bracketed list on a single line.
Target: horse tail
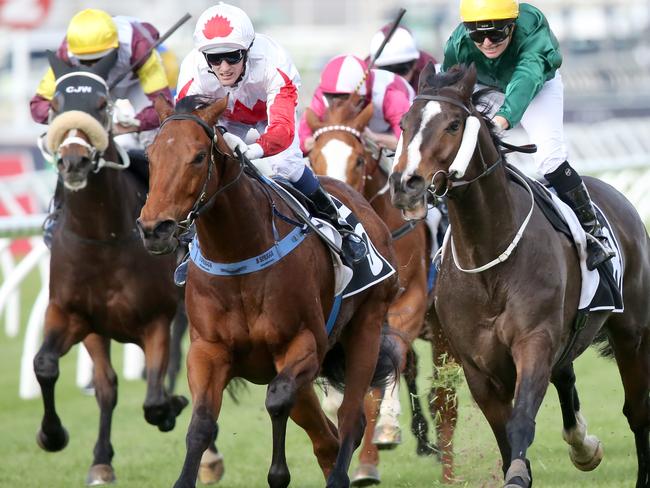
[(235, 387), (601, 342), (388, 362)]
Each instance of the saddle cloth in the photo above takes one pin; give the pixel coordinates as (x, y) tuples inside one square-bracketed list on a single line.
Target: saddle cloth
[(367, 272), (602, 288)]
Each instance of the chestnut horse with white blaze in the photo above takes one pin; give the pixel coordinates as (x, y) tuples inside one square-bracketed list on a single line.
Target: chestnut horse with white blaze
[(267, 325)]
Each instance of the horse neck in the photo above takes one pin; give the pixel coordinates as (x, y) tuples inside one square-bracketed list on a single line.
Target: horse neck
[(237, 224), (106, 208), (482, 215)]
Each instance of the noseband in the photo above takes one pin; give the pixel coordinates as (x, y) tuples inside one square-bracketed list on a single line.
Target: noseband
[(203, 201)]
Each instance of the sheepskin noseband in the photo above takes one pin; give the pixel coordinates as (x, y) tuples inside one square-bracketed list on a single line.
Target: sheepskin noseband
[(80, 102)]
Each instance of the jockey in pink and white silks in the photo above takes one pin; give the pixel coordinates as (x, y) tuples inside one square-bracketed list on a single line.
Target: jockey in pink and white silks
[(261, 83), (390, 94)]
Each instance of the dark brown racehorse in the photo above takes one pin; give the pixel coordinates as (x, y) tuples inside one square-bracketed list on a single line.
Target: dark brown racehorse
[(267, 326), (103, 284), (512, 324), (339, 151)]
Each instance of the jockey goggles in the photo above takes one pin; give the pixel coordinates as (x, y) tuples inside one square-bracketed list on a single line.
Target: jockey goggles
[(231, 58), (496, 34)]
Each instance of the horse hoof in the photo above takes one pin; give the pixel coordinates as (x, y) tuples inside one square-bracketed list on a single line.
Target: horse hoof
[(211, 468), (589, 460), (365, 475), (100, 474), (52, 443), (387, 437), (517, 475), (426, 449)]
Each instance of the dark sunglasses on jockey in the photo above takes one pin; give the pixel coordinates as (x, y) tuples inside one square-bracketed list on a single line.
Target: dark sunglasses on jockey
[(495, 31), (231, 58)]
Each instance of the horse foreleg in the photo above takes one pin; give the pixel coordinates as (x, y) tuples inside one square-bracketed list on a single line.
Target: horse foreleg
[(532, 359), (632, 351), (361, 346), (419, 424), (585, 450), (496, 406), (443, 403), (60, 334), (179, 326), (309, 415), (105, 383), (208, 372), (297, 367), (160, 409), (367, 472)]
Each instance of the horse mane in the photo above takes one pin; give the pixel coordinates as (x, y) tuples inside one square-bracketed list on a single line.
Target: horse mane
[(191, 103)]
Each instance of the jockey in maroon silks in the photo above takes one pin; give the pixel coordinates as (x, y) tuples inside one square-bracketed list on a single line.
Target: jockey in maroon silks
[(92, 35)]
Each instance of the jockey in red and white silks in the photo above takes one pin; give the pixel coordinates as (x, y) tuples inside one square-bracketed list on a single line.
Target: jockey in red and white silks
[(261, 82), (389, 93), (262, 102)]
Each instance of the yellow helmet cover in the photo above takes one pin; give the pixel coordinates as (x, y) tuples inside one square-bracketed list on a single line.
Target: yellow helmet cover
[(478, 10), (91, 34)]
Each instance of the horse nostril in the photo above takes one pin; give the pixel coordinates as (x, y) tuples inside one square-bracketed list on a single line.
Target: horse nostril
[(415, 184), (164, 229)]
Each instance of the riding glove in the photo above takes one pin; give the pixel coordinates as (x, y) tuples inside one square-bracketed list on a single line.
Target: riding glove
[(251, 151)]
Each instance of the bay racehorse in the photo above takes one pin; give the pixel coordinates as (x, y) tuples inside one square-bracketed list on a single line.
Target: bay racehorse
[(509, 285), (341, 151), (103, 284), (267, 326)]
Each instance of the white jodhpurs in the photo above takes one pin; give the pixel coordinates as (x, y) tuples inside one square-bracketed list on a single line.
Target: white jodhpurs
[(543, 122)]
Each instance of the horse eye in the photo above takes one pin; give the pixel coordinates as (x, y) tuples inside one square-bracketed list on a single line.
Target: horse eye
[(198, 159), (101, 103), (360, 161), (454, 126)]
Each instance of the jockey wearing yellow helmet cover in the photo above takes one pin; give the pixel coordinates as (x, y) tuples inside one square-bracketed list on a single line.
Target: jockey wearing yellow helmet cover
[(516, 53), (91, 35)]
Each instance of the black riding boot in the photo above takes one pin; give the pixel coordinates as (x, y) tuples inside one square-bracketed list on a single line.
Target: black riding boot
[(49, 224), (353, 247), (572, 191)]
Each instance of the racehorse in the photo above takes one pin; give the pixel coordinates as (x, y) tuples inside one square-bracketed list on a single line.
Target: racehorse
[(509, 315), (340, 150), (266, 326), (103, 284)]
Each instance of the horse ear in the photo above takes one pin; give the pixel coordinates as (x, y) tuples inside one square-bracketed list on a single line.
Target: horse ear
[(104, 65), (212, 112), (59, 66), (468, 82), (312, 120), (361, 120), (426, 76), (163, 107)]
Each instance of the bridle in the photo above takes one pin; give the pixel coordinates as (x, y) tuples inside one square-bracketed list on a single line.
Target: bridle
[(203, 201), (450, 176)]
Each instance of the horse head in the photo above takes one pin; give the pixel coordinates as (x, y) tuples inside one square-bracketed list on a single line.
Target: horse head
[(440, 134), (339, 149), (80, 118), (186, 165)]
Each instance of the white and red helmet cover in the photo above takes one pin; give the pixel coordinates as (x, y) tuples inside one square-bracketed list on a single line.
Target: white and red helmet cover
[(223, 28)]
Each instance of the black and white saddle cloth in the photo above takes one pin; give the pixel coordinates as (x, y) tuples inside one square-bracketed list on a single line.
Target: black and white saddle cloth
[(371, 270), (602, 288)]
